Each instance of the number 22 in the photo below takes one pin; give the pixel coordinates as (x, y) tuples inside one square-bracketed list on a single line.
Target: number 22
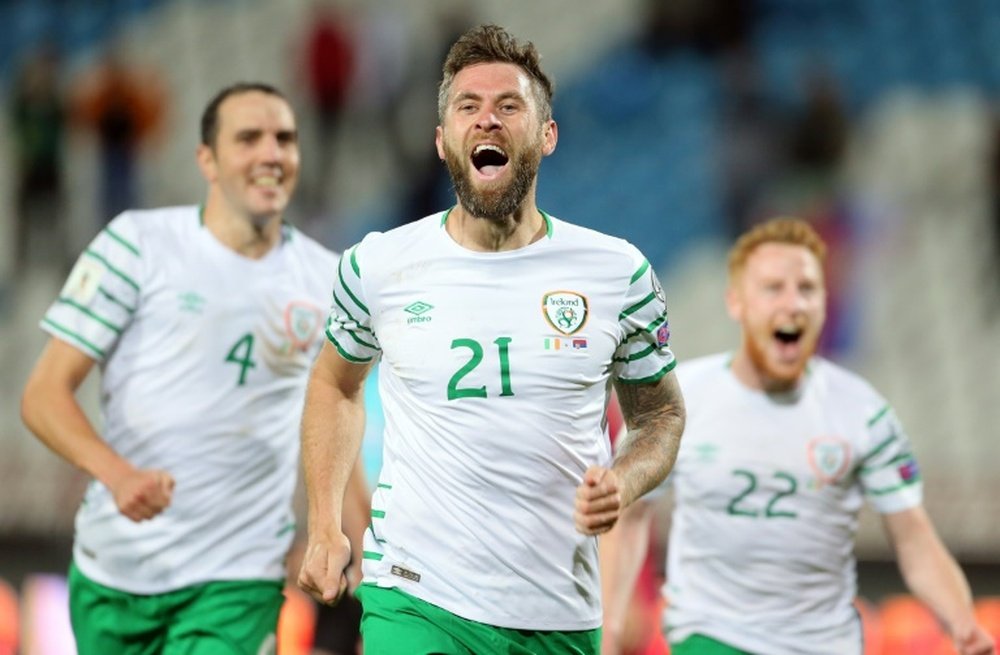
[(770, 510)]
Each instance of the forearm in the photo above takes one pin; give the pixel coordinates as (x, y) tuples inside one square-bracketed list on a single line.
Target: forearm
[(53, 414), (654, 415), (933, 576), (929, 570), (645, 458), (332, 427)]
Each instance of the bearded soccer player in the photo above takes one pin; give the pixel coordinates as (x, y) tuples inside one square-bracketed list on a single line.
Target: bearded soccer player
[(782, 448), (498, 328), (204, 322)]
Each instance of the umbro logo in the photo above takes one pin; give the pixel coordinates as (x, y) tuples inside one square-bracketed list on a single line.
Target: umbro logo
[(191, 301), (418, 309)]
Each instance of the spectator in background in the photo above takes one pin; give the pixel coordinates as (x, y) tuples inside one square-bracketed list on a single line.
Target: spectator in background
[(429, 185), (329, 69), (122, 106), (709, 27), (753, 138), (780, 451), (38, 121)]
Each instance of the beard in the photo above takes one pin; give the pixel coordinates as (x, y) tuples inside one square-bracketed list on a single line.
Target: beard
[(778, 376), (497, 202)]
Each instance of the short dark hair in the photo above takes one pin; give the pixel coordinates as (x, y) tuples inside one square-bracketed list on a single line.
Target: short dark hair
[(488, 44), (210, 117)]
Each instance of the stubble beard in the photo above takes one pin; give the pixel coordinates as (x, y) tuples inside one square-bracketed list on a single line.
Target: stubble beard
[(499, 202)]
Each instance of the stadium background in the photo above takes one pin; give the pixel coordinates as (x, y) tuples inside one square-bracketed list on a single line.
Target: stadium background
[(680, 123)]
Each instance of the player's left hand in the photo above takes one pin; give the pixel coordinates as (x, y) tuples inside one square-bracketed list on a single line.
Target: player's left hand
[(598, 501), (974, 641)]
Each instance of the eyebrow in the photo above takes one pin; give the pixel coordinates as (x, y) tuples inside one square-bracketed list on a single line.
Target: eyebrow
[(506, 95), (256, 131)]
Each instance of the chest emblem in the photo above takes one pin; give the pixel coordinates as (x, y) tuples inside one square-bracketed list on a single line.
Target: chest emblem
[(829, 458), (302, 323), (566, 311)]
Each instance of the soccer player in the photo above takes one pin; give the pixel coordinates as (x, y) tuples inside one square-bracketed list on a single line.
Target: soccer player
[(781, 449), (498, 328), (204, 322)]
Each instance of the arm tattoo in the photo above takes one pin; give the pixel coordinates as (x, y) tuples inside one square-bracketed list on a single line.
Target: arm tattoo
[(654, 416)]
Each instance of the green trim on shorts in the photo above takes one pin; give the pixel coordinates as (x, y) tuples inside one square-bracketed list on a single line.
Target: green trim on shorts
[(396, 623), (702, 645), (213, 618)]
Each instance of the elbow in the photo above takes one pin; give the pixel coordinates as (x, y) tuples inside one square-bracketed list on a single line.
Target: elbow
[(35, 404), (29, 407)]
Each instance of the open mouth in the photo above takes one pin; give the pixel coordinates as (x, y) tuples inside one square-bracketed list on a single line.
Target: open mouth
[(489, 159), (788, 334)]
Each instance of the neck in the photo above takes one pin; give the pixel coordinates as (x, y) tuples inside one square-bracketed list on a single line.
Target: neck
[(249, 236), (752, 376), (525, 226)]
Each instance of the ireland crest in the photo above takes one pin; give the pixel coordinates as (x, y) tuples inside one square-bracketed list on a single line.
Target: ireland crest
[(829, 458), (566, 311), (302, 323)]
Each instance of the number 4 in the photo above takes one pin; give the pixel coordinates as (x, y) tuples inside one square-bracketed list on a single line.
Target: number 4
[(242, 353)]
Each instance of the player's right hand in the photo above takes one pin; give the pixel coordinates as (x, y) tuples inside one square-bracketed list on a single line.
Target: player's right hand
[(141, 494), (324, 568), (974, 640)]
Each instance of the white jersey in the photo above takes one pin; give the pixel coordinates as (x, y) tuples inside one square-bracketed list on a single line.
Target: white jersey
[(767, 492), (494, 378), (205, 355)]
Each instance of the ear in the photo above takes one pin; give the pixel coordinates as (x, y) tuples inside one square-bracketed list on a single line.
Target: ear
[(439, 141), (206, 162), (550, 137), (734, 303)]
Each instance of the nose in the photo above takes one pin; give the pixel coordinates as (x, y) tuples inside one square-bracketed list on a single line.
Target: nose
[(795, 299), (488, 119), (271, 148)]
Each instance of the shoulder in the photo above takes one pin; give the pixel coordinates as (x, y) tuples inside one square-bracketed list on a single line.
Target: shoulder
[(311, 249), (580, 236), (160, 217), (144, 232), (839, 384), (702, 372), (605, 251), (386, 246), (152, 223)]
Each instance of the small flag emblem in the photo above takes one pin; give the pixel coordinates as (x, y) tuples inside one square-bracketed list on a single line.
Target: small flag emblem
[(663, 335), (909, 471)]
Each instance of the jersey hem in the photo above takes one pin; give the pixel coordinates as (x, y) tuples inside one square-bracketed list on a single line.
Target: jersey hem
[(485, 619)]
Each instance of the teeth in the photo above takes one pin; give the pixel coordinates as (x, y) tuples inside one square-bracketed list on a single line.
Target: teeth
[(488, 146), (789, 330), (266, 180)]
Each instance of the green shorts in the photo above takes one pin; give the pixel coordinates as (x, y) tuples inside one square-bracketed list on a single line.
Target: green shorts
[(702, 645), (214, 618), (396, 623)]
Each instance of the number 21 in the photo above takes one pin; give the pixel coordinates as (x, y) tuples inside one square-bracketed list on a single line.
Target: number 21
[(503, 348)]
